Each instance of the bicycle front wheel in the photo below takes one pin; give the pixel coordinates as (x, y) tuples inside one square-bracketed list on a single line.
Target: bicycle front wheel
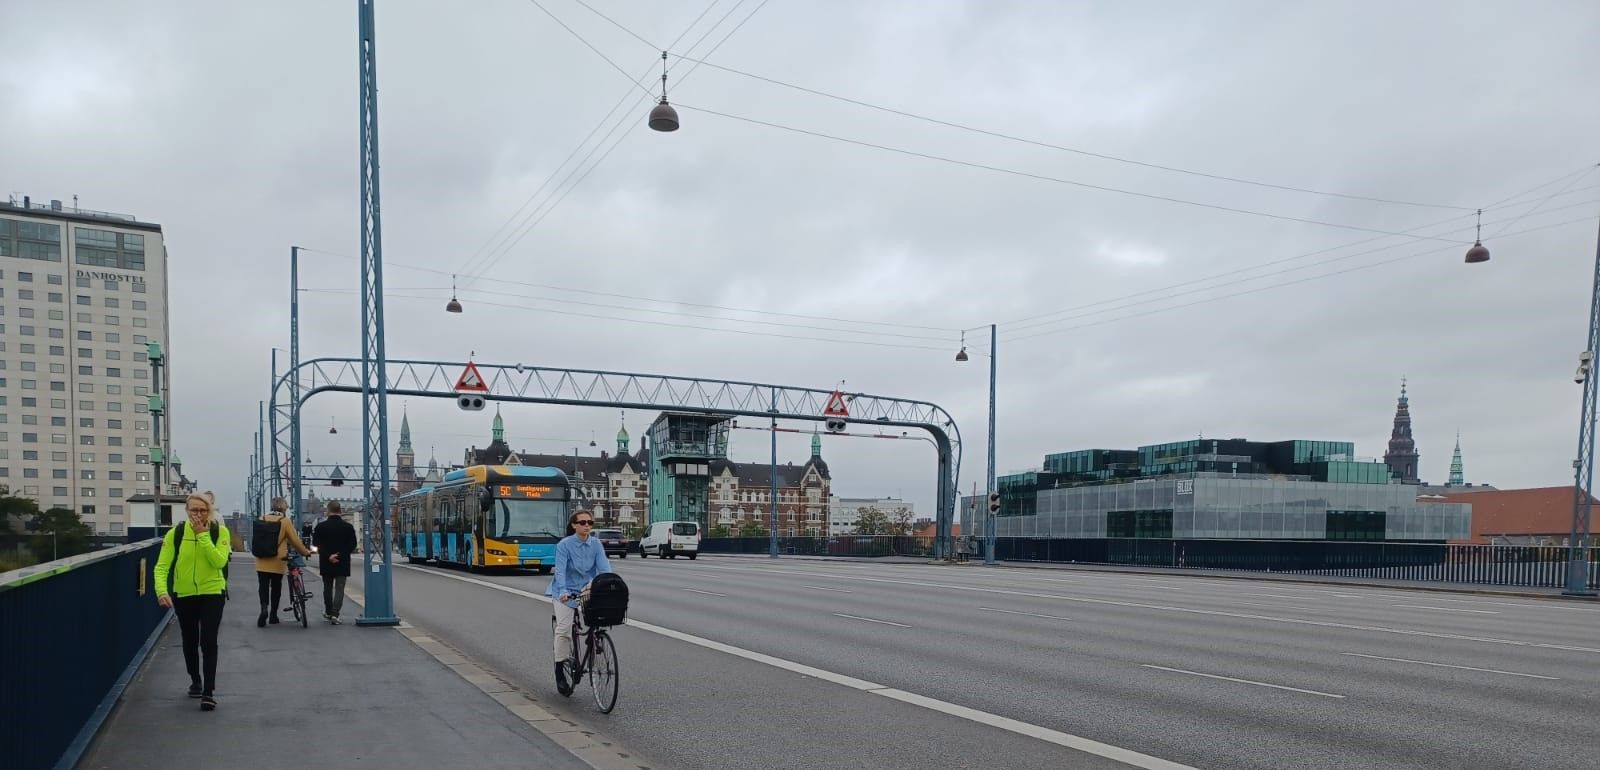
[(603, 675)]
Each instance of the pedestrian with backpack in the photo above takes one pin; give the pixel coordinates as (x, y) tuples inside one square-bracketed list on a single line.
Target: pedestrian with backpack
[(336, 541), (271, 537), (191, 577)]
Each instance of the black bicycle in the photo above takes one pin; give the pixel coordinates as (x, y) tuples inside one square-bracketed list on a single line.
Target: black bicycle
[(298, 593), (594, 655)]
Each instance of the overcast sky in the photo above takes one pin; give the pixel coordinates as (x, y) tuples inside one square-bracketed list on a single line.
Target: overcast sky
[(234, 126)]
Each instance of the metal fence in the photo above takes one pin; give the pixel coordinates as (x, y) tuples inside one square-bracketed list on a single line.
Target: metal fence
[(72, 631), (1508, 565), (842, 545)]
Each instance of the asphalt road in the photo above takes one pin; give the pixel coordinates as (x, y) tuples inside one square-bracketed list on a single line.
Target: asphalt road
[(744, 662)]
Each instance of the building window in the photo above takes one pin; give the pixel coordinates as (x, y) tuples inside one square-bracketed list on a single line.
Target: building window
[(112, 371), (83, 299), (85, 318), (30, 473), (113, 441), (116, 526), (56, 368), (141, 425), (86, 336), (113, 406), (55, 350), (58, 422), (85, 352), (24, 312), (105, 248), (88, 510), (58, 457), (53, 280), (140, 304), (86, 475), (113, 390), (58, 473), (112, 285), (58, 438), (58, 386), (85, 387), (86, 371), (59, 491), (30, 454), (112, 301), (82, 283), (85, 491), (141, 475), (30, 240), (57, 334), (23, 277), (58, 315), (86, 439), (139, 322), (86, 422), (140, 339), (26, 331), (115, 475), (55, 296), (87, 457), (115, 458), (138, 288), (30, 419), (87, 406), (30, 384), (112, 424), (55, 403)]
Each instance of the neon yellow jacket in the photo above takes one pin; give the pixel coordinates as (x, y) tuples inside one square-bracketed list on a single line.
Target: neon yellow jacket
[(199, 568)]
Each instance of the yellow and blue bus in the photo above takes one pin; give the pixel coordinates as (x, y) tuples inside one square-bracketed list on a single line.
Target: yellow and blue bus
[(487, 516)]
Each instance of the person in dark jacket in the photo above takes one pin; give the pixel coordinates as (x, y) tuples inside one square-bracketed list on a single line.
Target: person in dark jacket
[(336, 541)]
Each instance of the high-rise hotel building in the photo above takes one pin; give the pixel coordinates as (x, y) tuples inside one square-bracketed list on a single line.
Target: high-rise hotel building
[(82, 293)]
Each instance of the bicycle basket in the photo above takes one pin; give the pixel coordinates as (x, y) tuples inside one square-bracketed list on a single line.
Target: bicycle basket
[(606, 603)]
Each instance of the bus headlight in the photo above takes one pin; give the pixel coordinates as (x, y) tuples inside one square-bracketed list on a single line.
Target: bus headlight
[(497, 552)]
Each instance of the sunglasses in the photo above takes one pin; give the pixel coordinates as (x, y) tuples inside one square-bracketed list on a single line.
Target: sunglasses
[(584, 522)]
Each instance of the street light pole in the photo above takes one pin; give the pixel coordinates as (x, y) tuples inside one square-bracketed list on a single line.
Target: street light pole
[(1578, 565), (988, 519), (1583, 466), (772, 542)]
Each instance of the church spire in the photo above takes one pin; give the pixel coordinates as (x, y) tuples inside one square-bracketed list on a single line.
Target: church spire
[(816, 443), (499, 426), (1457, 477), (405, 432), (622, 436), (1402, 456)]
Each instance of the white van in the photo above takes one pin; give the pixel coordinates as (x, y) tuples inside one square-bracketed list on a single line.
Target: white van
[(667, 539)]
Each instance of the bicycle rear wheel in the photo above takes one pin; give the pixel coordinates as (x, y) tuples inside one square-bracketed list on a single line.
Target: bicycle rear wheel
[(297, 599), (603, 673)]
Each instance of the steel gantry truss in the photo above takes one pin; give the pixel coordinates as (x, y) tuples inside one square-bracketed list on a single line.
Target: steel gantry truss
[(624, 390)]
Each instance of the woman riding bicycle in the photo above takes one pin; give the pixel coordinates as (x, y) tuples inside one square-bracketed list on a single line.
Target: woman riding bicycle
[(579, 558)]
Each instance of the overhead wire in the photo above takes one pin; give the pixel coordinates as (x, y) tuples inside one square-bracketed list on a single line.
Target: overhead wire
[(1039, 177), (549, 205), (1046, 320), (1269, 287), (1074, 150)]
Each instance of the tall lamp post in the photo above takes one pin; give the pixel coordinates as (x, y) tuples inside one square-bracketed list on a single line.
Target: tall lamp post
[(988, 519), (1578, 566)]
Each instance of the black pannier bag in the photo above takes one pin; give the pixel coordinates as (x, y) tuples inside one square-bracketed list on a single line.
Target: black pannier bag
[(607, 604)]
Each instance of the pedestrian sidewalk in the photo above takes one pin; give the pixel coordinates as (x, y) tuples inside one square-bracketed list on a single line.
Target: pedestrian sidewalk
[(323, 696)]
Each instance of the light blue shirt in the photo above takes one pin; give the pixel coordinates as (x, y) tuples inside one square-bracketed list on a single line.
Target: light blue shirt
[(577, 562)]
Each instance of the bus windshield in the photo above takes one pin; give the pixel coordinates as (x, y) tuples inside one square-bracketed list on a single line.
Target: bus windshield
[(528, 518)]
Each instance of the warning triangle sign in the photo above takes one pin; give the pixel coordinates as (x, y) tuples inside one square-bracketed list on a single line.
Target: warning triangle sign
[(835, 407), (471, 380)]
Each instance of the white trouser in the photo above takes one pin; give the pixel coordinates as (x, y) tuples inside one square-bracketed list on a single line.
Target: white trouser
[(564, 621)]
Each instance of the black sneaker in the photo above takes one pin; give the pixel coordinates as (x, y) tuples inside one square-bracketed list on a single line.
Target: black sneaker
[(562, 685), (194, 690), (208, 703)]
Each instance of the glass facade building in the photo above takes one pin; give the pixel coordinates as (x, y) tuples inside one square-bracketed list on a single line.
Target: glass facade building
[(1232, 489)]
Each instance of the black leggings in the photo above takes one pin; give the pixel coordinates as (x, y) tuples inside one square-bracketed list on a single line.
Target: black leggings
[(198, 620), (270, 585)]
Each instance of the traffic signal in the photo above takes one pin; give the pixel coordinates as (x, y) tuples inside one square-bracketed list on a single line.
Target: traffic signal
[(994, 502), (470, 403)]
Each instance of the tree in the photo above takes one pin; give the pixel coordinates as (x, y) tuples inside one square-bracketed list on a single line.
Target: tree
[(873, 521), (721, 530), (23, 509), (752, 528), (64, 534)]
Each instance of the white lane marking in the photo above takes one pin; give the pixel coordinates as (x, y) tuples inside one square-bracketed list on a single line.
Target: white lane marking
[(707, 593), (1029, 614), (1446, 609), (1068, 740), (1243, 681), (1282, 606), (1188, 610), (1447, 665), (869, 620), (824, 588)]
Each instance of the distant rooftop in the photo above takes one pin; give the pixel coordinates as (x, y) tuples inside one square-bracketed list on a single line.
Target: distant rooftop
[(25, 204)]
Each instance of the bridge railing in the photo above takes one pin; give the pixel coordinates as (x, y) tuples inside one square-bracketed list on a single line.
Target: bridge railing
[(72, 632), (1542, 566), (840, 545)]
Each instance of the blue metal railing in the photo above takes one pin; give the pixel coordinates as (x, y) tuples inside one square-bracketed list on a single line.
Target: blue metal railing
[(71, 633)]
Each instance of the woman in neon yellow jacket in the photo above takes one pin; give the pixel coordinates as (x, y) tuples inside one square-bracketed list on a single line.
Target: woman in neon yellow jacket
[(193, 556)]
